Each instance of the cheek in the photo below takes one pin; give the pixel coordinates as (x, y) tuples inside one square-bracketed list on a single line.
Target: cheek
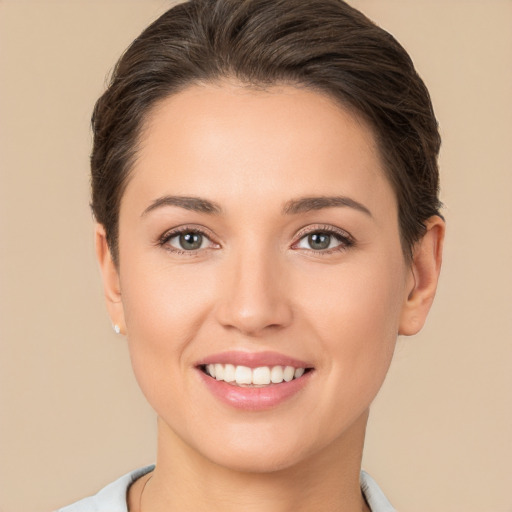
[(164, 309), (356, 319), (162, 302)]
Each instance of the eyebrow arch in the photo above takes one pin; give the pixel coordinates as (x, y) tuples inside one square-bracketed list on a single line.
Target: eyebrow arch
[(196, 204), (306, 204)]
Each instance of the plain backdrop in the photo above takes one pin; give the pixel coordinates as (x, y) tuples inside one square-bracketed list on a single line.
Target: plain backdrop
[(72, 418)]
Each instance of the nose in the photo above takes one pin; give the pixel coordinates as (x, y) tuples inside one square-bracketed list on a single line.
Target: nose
[(253, 291)]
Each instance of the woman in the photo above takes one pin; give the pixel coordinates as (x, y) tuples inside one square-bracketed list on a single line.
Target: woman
[(265, 186)]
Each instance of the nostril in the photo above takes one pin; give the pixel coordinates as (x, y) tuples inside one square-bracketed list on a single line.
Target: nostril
[(254, 317)]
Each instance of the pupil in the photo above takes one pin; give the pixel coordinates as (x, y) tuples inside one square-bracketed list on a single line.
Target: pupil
[(191, 241), (319, 240)]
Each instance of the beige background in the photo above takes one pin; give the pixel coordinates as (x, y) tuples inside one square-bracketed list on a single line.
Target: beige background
[(72, 418)]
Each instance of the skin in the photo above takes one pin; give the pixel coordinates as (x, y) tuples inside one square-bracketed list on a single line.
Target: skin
[(256, 285)]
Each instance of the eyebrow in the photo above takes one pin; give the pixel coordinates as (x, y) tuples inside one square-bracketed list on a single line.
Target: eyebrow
[(306, 204), (292, 207), (196, 204)]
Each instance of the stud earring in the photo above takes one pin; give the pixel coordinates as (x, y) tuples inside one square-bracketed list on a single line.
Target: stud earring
[(117, 329)]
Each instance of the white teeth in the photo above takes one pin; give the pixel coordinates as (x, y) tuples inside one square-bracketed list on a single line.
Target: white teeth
[(219, 372), (276, 374), (299, 372), (288, 373), (229, 373), (243, 375), (261, 376)]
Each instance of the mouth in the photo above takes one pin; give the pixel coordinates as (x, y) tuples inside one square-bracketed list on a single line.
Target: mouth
[(259, 377), (254, 381)]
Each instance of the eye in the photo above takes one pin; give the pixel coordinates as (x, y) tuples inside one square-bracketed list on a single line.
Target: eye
[(186, 240), (326, 240), (190, 241)]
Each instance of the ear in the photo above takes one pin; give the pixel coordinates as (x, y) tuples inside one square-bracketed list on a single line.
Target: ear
[(425, 268), (110, 274)]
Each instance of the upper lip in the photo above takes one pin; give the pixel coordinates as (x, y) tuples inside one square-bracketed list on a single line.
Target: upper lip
[(253, 359)]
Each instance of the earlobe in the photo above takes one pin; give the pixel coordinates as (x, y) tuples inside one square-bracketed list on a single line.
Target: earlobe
[(110, 276), (425, 269)]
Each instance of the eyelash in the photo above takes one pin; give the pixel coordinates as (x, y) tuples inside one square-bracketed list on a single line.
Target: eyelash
[(163, 241), (346, 240)]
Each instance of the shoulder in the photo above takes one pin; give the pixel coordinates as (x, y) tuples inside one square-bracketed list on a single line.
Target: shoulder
[(373, 495), (111, 498)]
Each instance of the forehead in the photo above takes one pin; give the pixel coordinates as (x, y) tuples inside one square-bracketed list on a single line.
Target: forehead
[(228, 140)]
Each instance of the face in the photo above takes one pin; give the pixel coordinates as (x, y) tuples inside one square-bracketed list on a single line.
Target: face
[(259, 243)]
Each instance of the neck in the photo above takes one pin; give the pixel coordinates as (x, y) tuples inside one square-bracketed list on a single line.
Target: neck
[(327, 481)]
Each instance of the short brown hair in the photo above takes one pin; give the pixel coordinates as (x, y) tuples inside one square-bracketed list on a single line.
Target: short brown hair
[(325, 45)]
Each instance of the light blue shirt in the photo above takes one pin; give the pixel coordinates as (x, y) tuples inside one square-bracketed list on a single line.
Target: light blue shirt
[(112, 498)]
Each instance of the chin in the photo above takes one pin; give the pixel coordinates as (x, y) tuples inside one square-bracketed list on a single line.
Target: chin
[(264, 448), (262, 460)]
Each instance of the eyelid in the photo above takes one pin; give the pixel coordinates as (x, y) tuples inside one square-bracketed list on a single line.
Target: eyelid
[(187, 228), (346, 239), (313, 228)]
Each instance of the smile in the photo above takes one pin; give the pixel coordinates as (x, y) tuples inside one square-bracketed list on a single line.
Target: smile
[(254, 381), (244, 376)]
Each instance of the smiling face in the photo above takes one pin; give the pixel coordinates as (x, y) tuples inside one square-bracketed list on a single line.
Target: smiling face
[(258, 231)]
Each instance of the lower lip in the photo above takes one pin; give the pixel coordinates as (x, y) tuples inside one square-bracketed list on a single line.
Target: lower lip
[(254, 398)]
